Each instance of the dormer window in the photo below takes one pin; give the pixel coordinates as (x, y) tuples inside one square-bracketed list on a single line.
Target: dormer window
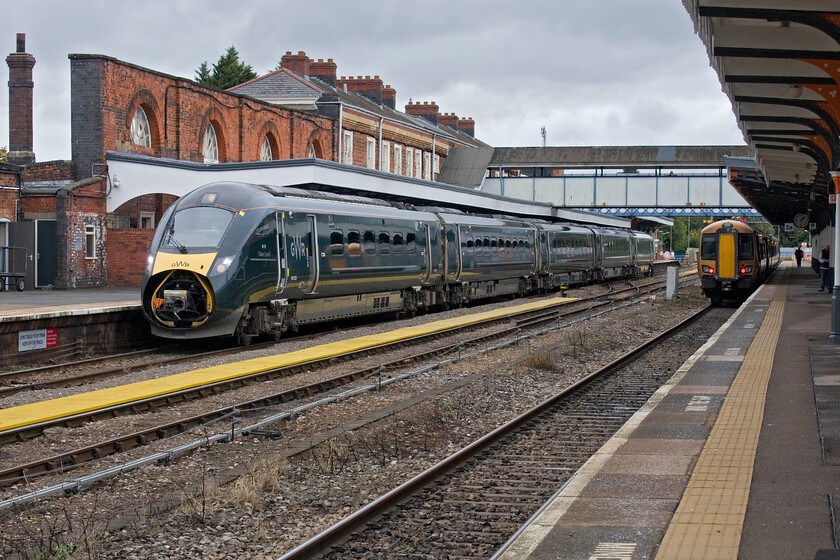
[(141, 133)]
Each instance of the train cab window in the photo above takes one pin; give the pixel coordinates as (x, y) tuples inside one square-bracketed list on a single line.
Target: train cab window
[(354, 246), (198, 226), (397, 241), (708, 247), (745, 246), (370, 243), (411, 243), (337, 243), (384, 243)]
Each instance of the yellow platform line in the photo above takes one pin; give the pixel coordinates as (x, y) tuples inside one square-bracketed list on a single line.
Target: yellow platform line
[(710, 517), (35, 413)]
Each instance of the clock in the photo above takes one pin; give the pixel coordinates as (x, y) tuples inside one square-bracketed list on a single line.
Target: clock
[(800, 220)]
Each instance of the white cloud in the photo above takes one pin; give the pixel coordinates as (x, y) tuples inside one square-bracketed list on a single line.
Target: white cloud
[(598, 72)]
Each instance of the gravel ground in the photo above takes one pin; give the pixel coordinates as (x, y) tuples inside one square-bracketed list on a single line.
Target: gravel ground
[(254, 498)]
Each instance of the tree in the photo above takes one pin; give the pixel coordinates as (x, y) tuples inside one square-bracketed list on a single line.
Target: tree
[(227, 72), (4, 154)]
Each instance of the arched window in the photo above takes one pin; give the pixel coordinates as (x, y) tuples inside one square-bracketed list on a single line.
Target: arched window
[(141, 132), (312, 152), (211, 145), (265, 150)]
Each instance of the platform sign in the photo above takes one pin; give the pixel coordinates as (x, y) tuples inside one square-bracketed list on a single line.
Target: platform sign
[(37, 339)]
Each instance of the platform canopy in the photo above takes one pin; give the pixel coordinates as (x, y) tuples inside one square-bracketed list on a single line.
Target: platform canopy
[(779, 63)]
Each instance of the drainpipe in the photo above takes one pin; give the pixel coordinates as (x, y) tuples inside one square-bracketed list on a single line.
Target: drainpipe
[(381, 120), (835, 297)]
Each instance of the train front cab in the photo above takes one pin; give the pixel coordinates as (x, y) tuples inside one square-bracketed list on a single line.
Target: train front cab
[(728, 264)]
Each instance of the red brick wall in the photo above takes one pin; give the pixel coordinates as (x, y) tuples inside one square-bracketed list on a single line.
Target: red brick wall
[(127, 249), (179, 112), (58, 170)]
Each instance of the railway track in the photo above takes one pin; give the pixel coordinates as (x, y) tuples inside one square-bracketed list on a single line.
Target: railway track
[(61, 375), (69, 460), (471, 503)]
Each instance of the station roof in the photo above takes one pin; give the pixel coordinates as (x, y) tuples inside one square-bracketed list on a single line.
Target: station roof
[(778, 63)]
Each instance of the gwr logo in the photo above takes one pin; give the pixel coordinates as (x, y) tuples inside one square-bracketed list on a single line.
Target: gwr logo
[(180, 264)]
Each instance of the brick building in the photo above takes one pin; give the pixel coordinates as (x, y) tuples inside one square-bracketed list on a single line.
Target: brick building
[(58, 209)]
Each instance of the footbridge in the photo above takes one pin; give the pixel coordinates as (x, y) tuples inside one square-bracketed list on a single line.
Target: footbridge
[(637, 181)]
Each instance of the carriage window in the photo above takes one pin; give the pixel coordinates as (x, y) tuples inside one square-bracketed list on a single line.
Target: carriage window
[(494, 244), (354, 247), (370, 243), (745, 247), (337, 243), (384, 243), (411, 243), (708, 247), (398, 244), (486, 245), (507, 244)]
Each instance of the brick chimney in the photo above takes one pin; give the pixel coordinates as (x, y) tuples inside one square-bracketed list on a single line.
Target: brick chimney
[(324, 71), (425, 110), (467, 126), (20, 104), (448, 119), (298, 63), (369, 87), (389, 97)]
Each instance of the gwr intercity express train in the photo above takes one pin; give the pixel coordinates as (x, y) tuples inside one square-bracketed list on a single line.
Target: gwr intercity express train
[(235, 259), (734, 260)]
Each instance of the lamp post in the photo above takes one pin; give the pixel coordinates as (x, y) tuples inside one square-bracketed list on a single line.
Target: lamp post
[(835, 295)]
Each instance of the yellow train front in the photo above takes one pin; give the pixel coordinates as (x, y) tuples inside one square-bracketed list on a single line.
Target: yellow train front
[(734, 259)]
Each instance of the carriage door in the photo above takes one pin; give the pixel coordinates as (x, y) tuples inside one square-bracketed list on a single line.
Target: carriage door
[(283, 268), (301, 235), (727, 255)]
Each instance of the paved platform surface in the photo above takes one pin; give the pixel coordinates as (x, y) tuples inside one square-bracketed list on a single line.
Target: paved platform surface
[(738, 456), (30, 302)]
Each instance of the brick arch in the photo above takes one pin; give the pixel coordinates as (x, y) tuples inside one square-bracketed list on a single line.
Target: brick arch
[(214, 116), (269, 130), (144, 98), (315, 142)]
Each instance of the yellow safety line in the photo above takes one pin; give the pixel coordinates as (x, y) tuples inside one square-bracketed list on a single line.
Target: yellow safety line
[(35, 413), (710, 517)]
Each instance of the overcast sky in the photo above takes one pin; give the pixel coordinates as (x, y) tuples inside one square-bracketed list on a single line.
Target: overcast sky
[(592, 72)]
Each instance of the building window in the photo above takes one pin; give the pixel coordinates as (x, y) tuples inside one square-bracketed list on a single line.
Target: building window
[(418, 163), (348, 148), (436, 168), (147, 220), (266, 153), (211, 145), (371, 153), (409, 161), (386, 156), (427, 166), (398, 160), (90, 242), (141, 132), (312, 153)]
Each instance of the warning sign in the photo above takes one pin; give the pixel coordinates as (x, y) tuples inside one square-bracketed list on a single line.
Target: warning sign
[(38, 339)]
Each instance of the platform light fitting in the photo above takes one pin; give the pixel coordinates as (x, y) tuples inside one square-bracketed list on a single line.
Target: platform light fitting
[(795, 91), (116, 182)]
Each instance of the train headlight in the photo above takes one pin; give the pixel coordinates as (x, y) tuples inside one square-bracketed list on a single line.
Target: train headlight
[(150, 263), (222, 264)]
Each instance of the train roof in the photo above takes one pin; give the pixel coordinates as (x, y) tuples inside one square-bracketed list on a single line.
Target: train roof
[(736, 225)]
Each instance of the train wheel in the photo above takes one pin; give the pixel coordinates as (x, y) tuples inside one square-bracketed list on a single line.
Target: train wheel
[(242, 338), (276, 335)]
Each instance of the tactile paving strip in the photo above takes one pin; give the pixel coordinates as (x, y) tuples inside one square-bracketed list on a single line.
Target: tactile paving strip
[(709, 520)]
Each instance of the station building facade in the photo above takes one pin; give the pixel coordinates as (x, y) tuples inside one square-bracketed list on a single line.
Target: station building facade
[(57, 209)]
